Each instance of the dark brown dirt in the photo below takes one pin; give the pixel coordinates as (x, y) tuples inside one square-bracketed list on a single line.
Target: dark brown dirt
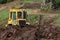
[(32, 5), (26, 33), (31, 33), (45, 30)]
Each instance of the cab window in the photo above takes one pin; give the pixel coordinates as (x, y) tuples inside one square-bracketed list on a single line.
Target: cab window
[(19, 14), (14, 15), (11, 15)]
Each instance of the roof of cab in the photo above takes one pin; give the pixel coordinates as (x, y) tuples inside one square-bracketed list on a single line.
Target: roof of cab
[(16, 10)]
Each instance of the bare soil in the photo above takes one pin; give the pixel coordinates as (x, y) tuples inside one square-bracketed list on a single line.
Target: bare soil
[(31, 6), (31, 33), (44, 30)]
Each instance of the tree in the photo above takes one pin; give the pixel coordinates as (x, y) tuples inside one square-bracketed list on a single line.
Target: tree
[(56, 3), (5, 1)]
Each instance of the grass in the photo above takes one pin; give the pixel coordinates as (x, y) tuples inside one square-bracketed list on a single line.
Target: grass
[(35, 0), (31, 18), (58, 19), (3, 16), (30, 1)]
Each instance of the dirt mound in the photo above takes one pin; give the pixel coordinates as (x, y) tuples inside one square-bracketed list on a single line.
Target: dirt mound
[(32, 5), (48, 32), (31, 33), (26, 33)]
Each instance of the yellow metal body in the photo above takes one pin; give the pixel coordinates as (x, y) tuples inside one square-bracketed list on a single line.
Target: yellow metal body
[(10, 20)]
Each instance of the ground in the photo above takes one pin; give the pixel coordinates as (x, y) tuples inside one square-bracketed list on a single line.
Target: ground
[(35, 31)]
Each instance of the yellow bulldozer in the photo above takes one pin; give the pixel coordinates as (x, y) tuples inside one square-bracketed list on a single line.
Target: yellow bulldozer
[(17, 17)]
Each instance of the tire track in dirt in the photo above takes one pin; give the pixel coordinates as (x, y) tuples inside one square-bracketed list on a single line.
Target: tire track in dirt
[(36, 11)]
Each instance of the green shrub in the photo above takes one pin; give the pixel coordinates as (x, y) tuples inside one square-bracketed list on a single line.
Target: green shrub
[(33, 18), (5, 1), (46, 9), (10, 0)]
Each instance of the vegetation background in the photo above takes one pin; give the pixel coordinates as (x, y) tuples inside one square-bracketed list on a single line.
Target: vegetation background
[(4, 14)]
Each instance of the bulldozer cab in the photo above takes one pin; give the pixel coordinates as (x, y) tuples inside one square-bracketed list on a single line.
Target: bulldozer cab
[(17, 17)]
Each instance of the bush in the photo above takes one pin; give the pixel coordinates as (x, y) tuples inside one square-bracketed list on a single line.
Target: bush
[(5, 1), (56, 3), (46, 9), (10, 0)]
